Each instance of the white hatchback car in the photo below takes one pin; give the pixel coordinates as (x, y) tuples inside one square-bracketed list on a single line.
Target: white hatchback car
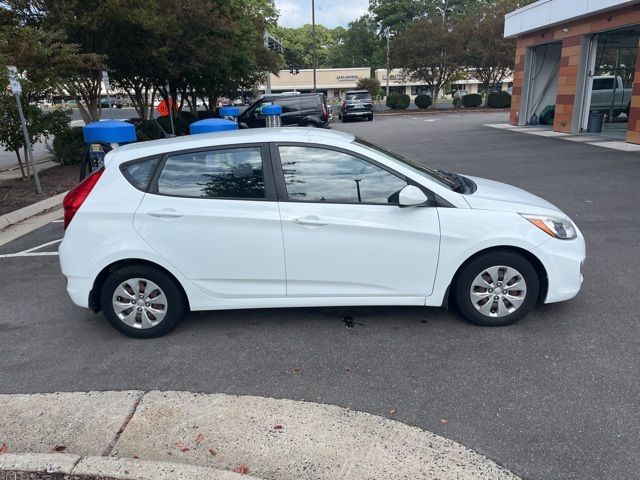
[(301, 217)]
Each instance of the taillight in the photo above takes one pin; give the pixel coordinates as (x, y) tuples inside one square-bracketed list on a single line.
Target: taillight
[(76, 197)]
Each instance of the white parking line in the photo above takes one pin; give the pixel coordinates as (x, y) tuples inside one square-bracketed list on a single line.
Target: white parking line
[(30, 252)]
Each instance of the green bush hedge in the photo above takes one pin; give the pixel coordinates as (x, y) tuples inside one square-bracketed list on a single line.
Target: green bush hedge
[(204, 114), (146, 129), (188, 117), (499, 100), (472, 100), (404, 101), (392, 100), (69, 147), (180, 125), (423, 101)]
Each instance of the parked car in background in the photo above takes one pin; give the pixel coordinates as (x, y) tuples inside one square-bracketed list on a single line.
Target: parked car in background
[(356, 104), (609, 96), (115, 102), (302, 110), (287, 217)]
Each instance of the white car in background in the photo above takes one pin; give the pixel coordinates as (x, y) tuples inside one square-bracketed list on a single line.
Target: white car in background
[(298, 218)]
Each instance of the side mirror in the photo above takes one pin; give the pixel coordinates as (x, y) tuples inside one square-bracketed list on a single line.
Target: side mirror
[(412, 196)]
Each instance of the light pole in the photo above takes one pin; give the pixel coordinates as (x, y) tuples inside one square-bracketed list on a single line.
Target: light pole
[(313, 34), (387, 61)]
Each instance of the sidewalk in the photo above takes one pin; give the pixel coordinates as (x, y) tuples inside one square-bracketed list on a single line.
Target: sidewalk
[(111, 432)]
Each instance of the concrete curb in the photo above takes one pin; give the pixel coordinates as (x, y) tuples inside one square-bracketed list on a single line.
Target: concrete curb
[(278, 439), (449, 111), (29, 211), (110, 467)]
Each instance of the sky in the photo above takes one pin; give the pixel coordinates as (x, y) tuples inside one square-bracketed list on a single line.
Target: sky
[(295, 13)]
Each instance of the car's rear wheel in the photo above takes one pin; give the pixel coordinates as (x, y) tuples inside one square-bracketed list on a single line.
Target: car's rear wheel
[(370, 118), (496, 289), (141, 301)]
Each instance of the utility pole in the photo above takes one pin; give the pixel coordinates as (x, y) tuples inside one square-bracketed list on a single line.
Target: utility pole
[(313, 33), (387, 61)]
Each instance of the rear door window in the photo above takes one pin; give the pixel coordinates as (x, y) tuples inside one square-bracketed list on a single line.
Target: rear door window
[(224, 173), (309, 103)]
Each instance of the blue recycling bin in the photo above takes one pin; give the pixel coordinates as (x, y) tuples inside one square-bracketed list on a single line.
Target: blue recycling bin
[(272, 115), (112, 132), (230, 113), (211, 125)]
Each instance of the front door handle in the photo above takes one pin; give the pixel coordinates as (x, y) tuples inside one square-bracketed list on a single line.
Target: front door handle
[(166, 213), (311, 221)]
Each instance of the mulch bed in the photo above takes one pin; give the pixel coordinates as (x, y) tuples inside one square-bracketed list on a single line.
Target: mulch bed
[(17, 193)]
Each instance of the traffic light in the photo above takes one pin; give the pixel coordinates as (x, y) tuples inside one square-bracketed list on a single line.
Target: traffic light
[(272, 43)]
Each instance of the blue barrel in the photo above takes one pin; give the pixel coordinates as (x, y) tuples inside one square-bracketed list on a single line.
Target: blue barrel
[(210, 125), (109, 131), (272, 115)]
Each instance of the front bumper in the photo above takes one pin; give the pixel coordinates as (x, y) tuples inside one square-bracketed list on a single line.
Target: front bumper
[(563, 261)]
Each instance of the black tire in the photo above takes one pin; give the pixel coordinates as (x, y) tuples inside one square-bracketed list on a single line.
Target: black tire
[(175, 304), (465, 278), (370, 118), (345, 119)]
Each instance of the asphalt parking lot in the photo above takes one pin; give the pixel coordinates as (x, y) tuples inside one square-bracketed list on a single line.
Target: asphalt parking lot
[(555, 396)]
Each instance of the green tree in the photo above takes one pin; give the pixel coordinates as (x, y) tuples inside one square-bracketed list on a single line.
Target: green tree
[(430, 51), (370, 84), (487, 54), (358, 45), (35, 53), (298, 45)]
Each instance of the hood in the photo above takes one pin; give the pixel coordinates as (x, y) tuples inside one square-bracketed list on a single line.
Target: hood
[(492, 195)]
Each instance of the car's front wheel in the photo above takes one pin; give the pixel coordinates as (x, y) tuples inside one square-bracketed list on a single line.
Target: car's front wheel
[(141, 301), (496, 289)]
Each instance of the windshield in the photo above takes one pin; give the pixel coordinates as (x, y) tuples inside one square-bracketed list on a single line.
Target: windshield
[(411, 164), (358, 96)]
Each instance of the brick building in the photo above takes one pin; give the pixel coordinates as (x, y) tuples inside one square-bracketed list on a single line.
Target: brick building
[(580, 56)]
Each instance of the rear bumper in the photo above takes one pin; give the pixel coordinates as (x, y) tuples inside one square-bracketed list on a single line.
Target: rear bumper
[(357, 113), (563, 261), (80, 269)]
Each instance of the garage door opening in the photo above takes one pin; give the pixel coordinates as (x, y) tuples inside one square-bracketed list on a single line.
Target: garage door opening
[(613, 66), (541, 83)]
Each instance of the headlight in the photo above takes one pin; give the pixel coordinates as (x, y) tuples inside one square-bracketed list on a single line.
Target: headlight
[(556, 227)]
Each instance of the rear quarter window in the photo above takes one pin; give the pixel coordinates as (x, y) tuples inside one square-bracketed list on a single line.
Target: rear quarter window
[(140, 172)]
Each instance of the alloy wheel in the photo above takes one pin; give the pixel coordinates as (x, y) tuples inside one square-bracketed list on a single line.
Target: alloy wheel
[(139, 303), (498, 291)]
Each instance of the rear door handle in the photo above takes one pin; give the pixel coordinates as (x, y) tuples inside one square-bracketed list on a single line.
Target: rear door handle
[(310, 221), (166, 213)]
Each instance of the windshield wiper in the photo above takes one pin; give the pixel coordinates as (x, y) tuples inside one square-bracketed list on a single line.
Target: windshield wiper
[(458, 184)]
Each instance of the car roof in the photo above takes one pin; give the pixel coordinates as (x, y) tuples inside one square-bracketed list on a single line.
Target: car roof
[(254, 135), (358, 91)]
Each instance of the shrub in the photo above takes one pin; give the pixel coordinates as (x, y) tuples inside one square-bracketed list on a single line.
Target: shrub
[(392, 100), (204, 114), (179, 124), (472, 100), (499, 100), (146, 129), (403, 102), (423, 101), (457, 102), (69, 147), (188, 117)]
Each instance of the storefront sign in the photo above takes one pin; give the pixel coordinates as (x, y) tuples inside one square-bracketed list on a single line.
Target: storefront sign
[(347, 78)]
